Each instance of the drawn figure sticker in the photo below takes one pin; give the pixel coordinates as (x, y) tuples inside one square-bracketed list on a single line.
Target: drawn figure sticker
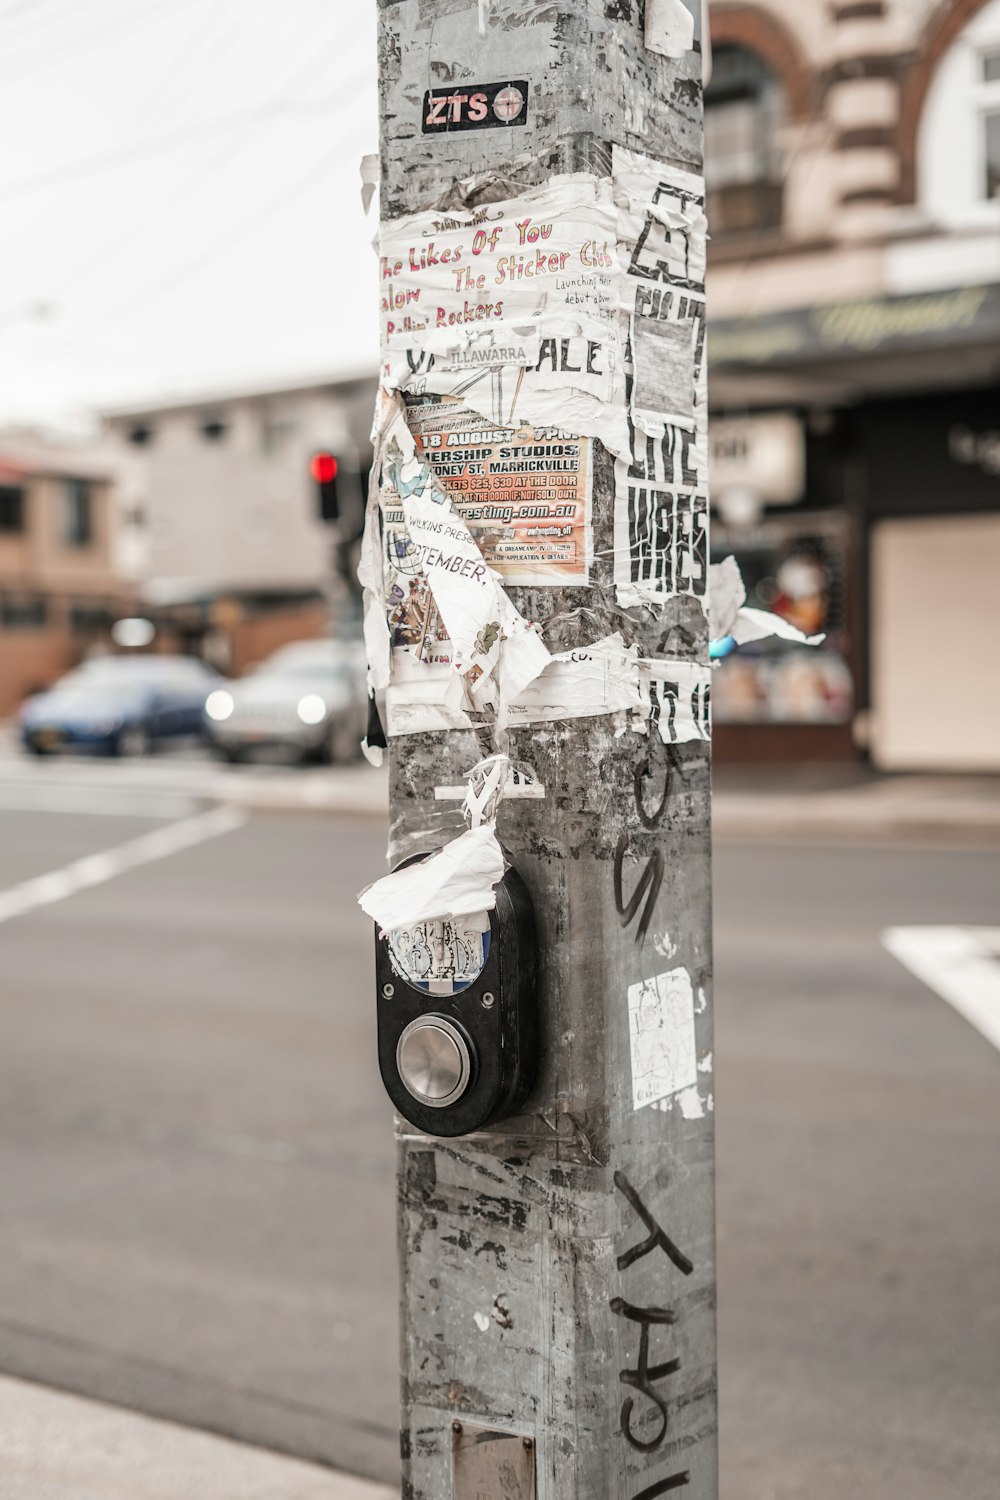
[(442, 957), (661, 1034), (475, 106)]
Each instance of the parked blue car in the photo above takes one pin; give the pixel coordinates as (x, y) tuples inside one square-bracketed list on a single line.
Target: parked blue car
[(119, 705)]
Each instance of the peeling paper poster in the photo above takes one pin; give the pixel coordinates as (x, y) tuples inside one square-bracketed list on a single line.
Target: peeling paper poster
[(679, 700), (523, 492), (425, 697), (661, 485), (729, 613), (443, 602), (664, 697), (662, 1037), (513, 307), (598, 679)]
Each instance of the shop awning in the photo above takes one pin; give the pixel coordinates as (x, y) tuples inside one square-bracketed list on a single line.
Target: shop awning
[(848, 350)]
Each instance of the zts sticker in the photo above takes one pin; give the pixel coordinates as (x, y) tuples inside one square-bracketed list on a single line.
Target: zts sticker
[(475, 106)]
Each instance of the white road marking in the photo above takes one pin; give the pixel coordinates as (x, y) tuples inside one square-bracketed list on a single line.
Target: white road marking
[(95, 869), (961, 964)]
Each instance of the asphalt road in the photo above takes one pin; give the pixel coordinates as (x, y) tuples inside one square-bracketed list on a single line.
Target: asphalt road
[(196, 1159)]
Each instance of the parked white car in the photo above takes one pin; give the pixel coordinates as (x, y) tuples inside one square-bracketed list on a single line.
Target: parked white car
[(309, 698)]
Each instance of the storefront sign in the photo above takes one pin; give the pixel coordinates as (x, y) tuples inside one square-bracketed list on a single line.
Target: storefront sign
[(764, 453), (981, 448), (875, 325)]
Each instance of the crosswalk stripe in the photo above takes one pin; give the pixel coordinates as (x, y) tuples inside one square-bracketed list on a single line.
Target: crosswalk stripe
[(96, 869), (960, 964)]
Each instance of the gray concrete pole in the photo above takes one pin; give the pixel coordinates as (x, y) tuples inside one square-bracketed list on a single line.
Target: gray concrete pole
[(557, 1270)]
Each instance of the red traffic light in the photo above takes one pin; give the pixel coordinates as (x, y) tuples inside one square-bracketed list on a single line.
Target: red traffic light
[(323, 468)]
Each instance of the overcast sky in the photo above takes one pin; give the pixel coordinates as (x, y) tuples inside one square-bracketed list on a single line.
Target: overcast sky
[(180, 188)]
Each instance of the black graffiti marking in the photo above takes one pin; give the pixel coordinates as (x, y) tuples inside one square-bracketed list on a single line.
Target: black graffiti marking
[(642, 1378), (675, 1482), (642, 771), (658, 1236), (674, 767), (650, 880)]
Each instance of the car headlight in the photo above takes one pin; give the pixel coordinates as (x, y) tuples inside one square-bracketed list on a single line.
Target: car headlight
[(311, 709), (219, 705)]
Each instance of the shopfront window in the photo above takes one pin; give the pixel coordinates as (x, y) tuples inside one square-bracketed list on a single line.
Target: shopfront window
[(794, 566), (744, 108), (991, 142), (11, 509), (77, 518)]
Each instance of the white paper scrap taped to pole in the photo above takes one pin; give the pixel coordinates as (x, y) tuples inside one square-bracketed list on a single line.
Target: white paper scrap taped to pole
[(669, 27), (661, 1033), (598, 679), (457, 881)]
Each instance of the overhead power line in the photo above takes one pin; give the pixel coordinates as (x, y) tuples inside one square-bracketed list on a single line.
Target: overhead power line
[(142, 150), (121, 240), (265, 213)]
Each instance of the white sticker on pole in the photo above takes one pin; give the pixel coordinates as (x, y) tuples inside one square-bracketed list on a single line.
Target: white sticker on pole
[(669, 28), (661, 1034)]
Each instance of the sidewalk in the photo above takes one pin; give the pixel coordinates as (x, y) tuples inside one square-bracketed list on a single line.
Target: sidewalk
[(850, 804), (55, 1446)]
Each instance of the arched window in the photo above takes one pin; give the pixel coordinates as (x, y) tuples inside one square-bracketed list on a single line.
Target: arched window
[(958, 145), (744, 109)]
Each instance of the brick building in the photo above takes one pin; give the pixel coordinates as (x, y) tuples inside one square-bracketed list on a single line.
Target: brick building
[(235, 556), (853, 165), (64, 558)]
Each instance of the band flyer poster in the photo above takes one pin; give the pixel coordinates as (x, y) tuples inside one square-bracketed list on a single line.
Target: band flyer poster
[(524, 492)]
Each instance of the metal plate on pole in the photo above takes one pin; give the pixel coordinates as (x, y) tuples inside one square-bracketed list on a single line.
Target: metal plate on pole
[(491, 1465)]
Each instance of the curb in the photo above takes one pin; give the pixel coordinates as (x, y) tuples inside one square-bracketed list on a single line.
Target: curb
[(826, 820)]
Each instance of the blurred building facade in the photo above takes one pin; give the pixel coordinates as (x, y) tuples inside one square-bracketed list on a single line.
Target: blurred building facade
[(853, 165), (234, 558), (64, 556)]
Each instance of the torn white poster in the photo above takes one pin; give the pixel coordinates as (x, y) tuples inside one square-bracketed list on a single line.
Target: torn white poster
[(757, 624), (444, 603), (661, 486), (457, 881), (512, 307), (669, 27), (425, 696), (679, 699), (598, 679), (726, 596), (729, 614), (661, 531), (662, 1037)]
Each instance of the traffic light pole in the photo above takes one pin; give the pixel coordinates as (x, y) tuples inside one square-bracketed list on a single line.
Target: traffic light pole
[(557, 1268)]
